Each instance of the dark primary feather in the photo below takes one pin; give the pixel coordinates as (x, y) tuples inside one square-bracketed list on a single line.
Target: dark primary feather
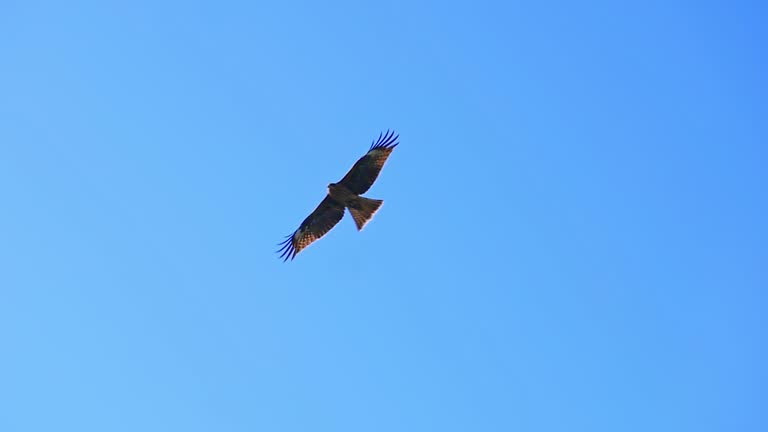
[(316, 225), (365, 171)]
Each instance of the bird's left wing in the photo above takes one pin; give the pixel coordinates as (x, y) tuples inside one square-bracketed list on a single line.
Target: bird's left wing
[(316, 225), (365, 171)]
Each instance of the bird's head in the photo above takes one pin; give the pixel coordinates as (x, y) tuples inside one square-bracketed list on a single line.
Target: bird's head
[(331, 186)]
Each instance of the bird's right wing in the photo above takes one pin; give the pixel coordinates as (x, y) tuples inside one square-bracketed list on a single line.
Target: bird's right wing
[(316, 225)]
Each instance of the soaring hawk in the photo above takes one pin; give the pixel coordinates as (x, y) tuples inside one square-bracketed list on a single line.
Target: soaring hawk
[(344, 194)]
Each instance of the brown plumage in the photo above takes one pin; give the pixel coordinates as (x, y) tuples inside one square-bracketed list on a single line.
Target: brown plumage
[(344, 194)]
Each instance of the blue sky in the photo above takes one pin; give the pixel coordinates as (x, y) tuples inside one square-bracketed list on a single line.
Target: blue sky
[(573, 236)]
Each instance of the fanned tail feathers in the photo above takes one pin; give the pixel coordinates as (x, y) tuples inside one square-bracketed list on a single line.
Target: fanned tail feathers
[(363, 209)]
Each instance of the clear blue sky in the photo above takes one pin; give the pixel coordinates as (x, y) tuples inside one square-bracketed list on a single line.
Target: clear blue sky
[(573, 236)]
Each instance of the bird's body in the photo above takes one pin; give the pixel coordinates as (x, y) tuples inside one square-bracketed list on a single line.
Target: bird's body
[(361, 208), (344, 194), (341, 193)]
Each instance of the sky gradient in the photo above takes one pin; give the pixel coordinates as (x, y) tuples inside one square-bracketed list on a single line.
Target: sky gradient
[(573, 235)]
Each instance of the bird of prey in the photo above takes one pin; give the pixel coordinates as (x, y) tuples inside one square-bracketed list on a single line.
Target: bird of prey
[(344, 194)]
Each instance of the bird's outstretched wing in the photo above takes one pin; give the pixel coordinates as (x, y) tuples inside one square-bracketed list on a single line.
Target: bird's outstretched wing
[(316, 225), (364, 172)]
